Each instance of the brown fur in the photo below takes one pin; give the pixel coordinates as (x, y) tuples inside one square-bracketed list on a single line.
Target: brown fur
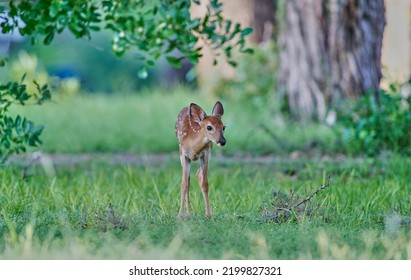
[(196, 132)]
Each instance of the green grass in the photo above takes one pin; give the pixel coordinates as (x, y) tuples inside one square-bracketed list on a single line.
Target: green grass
[(145, 124), (96, 209), (364, 214)]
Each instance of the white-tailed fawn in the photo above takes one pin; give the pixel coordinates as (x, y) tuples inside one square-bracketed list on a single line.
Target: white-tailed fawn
[(196, 133)]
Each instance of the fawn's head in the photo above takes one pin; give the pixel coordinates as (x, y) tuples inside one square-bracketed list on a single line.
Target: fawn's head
[(212, 126)]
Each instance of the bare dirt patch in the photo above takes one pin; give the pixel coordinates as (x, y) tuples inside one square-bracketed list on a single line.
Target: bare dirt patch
[(154, 159)]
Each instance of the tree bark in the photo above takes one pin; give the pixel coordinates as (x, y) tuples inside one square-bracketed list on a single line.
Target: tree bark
[(329, 50), (263, 20)]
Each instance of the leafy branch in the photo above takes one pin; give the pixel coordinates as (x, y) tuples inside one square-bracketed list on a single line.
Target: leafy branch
[(17, 133), (152, 30)]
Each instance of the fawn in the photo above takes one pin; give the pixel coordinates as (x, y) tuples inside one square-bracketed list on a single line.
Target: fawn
[(196, 133)]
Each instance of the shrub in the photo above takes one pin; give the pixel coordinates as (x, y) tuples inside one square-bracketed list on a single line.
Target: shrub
[(379, 121)]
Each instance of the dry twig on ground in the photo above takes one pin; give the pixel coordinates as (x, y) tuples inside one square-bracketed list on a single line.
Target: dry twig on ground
[(283, 208)]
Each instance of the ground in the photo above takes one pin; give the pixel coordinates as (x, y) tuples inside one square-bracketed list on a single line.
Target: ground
[(105, 184), (123, 206)]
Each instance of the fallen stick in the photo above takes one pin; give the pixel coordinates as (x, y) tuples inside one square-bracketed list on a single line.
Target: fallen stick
[(326, 185)]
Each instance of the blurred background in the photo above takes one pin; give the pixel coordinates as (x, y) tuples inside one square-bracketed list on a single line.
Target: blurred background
[(303, 90)]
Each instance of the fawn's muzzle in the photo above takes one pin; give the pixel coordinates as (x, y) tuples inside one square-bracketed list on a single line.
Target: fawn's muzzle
[(222, 142)]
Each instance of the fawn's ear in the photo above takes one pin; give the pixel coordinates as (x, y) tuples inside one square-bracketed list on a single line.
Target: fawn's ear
[(196, 113), (218, 110)]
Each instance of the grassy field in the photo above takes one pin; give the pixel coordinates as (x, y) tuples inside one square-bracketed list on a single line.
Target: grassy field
[(99, 209), (145, 124)]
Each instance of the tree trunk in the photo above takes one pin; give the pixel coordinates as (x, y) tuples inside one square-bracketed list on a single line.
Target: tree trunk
[(263, 20), (329, 50), (260, 14)]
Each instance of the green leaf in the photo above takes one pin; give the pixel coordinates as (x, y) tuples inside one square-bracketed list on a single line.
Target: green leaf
[(54, 9), (150, 62), (248, 51), (23, 78), (193, 58), (193, 24), (37, 130), (174, 61), (95, 28), (17, 122), (6, 143), (49, 38), (246, 31), (17, 125), (232, 63), (228, 26), (27, 125), (215, 4), (3, 62)]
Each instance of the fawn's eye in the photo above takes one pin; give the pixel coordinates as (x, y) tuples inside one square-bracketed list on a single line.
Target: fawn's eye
[(223, 128), (209, 127)]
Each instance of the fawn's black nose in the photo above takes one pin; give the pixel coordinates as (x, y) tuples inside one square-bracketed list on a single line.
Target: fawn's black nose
[(222, 142)]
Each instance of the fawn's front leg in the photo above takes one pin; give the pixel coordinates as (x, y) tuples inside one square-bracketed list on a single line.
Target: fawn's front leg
[(185, 184), (202, 175)]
